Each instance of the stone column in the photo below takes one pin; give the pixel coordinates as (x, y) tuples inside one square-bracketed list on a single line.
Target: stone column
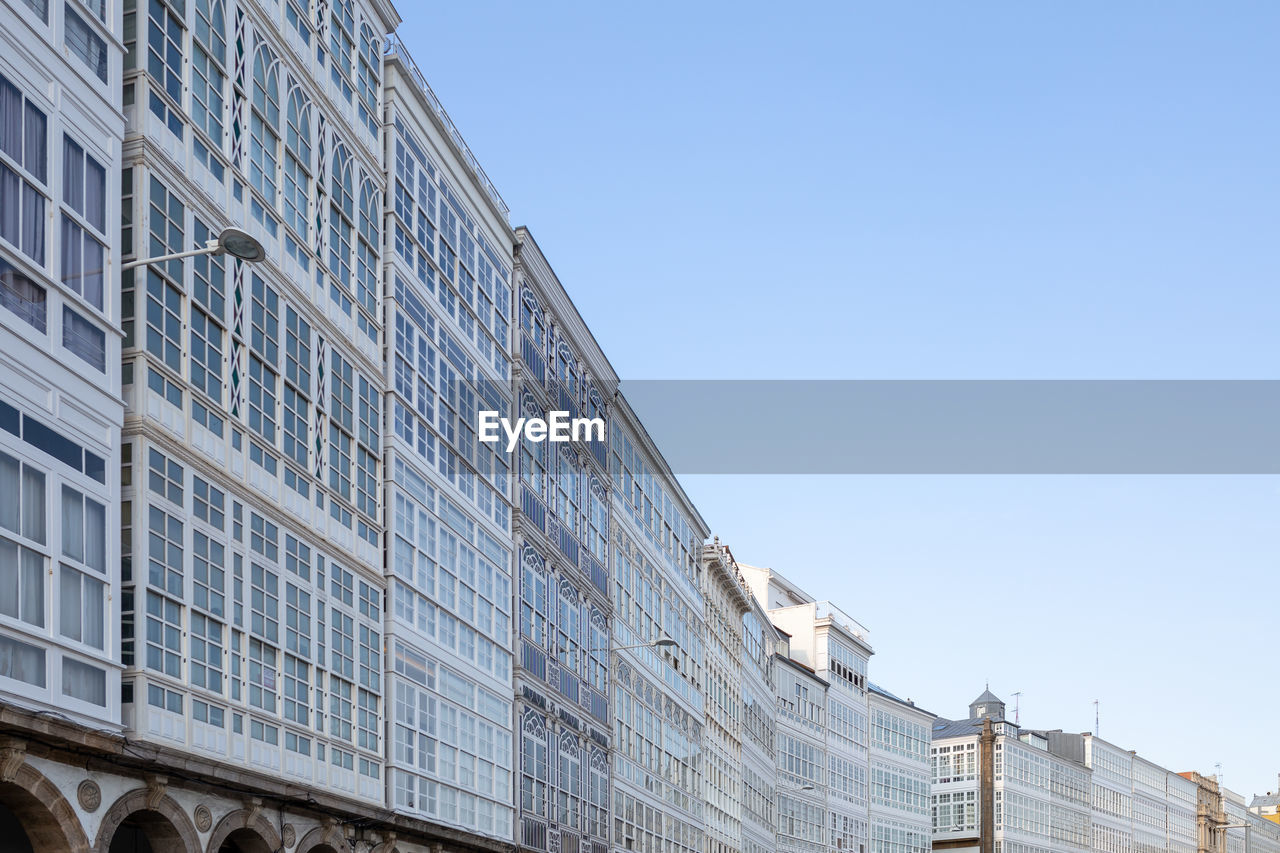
[(986, 789)]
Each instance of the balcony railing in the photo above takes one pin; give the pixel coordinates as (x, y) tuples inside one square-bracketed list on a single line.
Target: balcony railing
[(393, 46), (827, 610)]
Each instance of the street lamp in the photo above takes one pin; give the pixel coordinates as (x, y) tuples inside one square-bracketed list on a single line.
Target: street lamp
[(232, 241), (660, 643)]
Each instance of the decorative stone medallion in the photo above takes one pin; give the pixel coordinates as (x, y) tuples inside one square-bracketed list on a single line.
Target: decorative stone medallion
[(288, 835), (204, 818), (89, 795)]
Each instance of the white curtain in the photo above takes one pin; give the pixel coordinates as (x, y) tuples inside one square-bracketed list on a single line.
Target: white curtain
[(21, 661), (95, 203), (33, 503), (94, 610), (32, 240), (72, 524), (95, 535), (10, 204), (10, 120), (72, 262), (91, 272), (34, 156), (9, 491), (32, 588), (72, 174), (84, 682), (9, 578), (69, 605)]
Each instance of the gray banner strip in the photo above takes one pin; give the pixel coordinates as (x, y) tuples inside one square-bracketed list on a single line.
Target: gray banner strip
[(962, 427)]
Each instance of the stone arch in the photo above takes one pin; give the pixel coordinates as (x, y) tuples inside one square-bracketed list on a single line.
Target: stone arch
[(49, 821), (323, 839), (155, 815), (247, 830)]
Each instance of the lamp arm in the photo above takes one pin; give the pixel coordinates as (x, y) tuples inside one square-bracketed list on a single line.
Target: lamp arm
[(210, 247)]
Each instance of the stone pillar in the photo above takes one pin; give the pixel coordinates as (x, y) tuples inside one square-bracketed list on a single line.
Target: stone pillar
[(986, 789)]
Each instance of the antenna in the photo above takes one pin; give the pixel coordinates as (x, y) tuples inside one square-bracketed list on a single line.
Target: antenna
[(1096, 719), (1017, 708)]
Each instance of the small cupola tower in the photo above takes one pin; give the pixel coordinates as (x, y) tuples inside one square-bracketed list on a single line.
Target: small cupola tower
[(986, 705)]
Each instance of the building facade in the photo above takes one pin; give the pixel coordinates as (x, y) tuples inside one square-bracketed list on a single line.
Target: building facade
[(449, 546), (823, 752), (252, 511), (726, 601), (61, 132), (759, 731), (1054, 790), (564, 727), (900, 739), (658, 711)]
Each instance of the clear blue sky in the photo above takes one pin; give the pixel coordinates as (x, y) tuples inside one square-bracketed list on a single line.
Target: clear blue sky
[(940, 190)]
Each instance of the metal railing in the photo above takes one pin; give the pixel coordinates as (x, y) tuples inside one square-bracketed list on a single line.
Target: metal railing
[(825, 609), (394, 46)]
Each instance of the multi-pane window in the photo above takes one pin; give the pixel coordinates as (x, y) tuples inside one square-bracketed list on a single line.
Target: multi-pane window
[(164, 551), (297, 387), (164, 61), (208, 573), (264, 125), (262, 675), (598, 521), (367, 258), (367, 721), (370, 412), (164, 635), (84, 204), (166, 224), (296, 14), (208, 61), (84, 41), (340, 708), (534, 606), (262, 399), (22, 569), (341, 403), (568, 490), (265, 337), (84, 530), (264, 603), (341, 215), (164, 321), (295, 425), (83, 339), (368, 78), (209, 282), (342, 26), (370, 657), (21, 583), (296, 689), (24, 160), (209, 503), (206, 355), (339, 461), (342, 645), (206, 652), (81, 607), (534, 763), (297, 162), (366, 482), (297, 620)]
